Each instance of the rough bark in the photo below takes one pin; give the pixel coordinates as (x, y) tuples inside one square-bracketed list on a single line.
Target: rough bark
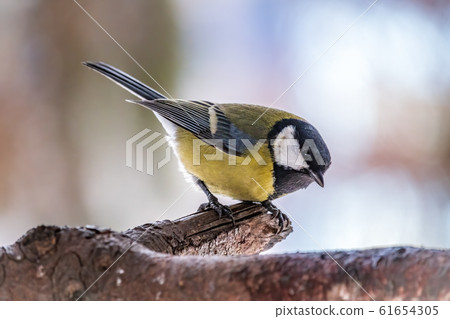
[(167, 262)]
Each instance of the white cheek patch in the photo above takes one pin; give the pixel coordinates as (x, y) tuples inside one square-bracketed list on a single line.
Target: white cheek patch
[(286, 150)]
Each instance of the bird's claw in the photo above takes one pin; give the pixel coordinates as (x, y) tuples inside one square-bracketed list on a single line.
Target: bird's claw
[(220, 209), (277, 213), (202, 207)]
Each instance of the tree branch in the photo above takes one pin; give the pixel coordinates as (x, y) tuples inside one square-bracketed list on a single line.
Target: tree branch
[(203, 234), (168, 263)]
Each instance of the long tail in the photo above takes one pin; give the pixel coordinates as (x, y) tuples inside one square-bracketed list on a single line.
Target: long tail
[(124, 80)]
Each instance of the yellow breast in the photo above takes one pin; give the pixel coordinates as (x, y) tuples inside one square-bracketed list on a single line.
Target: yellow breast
[(240, 177)]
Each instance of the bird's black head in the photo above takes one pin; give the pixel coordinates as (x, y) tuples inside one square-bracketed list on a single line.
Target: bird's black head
[(299, 154)]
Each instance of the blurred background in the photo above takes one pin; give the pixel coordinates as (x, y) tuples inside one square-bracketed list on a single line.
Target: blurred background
[(380, 98)]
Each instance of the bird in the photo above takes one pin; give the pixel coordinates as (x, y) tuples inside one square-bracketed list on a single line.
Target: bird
[(250, 153)]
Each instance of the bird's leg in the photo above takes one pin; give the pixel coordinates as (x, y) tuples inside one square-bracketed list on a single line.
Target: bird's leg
[(276, 212), (214, 204)]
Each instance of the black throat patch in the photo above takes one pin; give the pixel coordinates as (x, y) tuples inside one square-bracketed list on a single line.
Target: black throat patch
[(287, 181)]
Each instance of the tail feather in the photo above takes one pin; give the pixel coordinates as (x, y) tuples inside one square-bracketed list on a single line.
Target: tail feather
[(129, 83)]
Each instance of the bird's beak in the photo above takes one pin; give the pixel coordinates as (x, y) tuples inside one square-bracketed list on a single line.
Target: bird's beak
[(318, 177)]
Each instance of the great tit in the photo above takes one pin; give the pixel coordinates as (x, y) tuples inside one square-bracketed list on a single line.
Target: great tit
[(246, 152)]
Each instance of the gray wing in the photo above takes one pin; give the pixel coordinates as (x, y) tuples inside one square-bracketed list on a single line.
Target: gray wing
[(203, 119)]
